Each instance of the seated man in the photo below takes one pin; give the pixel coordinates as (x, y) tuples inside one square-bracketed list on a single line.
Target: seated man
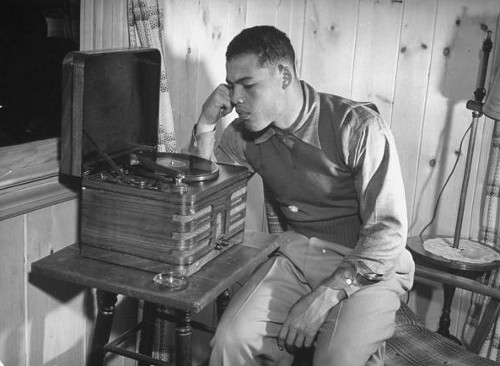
[(332, 167)]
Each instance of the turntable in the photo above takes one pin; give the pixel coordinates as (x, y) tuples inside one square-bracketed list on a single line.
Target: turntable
[(139, 207)]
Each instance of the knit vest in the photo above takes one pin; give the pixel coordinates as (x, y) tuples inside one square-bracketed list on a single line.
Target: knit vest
[(313, 188)]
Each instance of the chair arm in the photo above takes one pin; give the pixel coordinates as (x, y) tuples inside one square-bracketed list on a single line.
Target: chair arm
[(457, 281)]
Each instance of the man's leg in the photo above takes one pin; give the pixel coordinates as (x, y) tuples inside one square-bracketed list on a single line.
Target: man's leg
[(246, 334)]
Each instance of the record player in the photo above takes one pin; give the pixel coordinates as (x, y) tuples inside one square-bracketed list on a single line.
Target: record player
[(139, 207)]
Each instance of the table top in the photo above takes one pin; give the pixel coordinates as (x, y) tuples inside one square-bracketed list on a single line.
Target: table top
[(415, 245), (204, 286)]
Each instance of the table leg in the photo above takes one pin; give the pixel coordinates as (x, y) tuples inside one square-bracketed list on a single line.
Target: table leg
[(106, 302), (222, 302), (183, 333), (444, 320), (147, 331)]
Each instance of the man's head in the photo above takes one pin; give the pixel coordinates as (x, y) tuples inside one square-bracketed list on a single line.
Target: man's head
[(269, 44), (260, 73)]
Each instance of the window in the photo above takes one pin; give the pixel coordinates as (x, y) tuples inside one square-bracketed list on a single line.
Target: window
[(35, 35)]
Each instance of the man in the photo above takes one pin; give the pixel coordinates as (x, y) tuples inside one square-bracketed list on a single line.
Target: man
[(332, 168)]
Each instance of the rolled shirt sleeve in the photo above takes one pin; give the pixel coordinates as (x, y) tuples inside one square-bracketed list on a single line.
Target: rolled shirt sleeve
[(370, 153)]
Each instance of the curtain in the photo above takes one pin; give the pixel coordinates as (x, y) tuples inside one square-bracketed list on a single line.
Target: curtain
[(489, 234), (145, 24)]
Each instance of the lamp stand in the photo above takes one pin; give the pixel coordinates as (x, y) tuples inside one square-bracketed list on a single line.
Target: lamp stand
[(476, 105)]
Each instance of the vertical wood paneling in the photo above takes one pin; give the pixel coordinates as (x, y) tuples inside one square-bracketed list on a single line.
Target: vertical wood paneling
[(99, 20), (215, 35), (119, 33), (452, 80), (108, 22), (183, 21), (410, 94), (56, 326), (376, 53), (291, 19), (86, 24), (237, 20), (261, 12), (329, 45), (13, 349)]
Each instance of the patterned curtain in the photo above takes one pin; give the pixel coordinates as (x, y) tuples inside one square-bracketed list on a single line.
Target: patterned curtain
[(489, 234), (145, 24)]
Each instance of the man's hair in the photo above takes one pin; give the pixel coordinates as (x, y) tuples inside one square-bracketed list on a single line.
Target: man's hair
[(271, 45)]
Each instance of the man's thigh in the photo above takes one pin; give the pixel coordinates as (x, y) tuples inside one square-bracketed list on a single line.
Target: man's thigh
[(357, 328), (264, 301)]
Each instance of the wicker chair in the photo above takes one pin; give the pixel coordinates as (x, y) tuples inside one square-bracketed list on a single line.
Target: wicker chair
[(412, 343)]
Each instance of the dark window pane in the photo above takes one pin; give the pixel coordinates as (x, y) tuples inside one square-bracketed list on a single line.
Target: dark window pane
[(34, 38)]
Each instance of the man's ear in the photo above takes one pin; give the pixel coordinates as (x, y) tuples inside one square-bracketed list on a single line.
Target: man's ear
[(286, 76)]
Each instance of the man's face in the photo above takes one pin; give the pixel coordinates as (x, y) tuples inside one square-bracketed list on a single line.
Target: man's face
[(256, 92)]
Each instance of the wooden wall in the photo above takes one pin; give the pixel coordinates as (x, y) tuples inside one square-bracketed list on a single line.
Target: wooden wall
[(418, 60)]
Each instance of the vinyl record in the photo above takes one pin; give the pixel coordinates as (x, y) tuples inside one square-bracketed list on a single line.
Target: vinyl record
[(193, 168)]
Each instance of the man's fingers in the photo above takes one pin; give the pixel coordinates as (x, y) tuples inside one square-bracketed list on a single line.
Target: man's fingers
[(224, 100), (290, 339), (308, 341), (299, 340), (282, 337)]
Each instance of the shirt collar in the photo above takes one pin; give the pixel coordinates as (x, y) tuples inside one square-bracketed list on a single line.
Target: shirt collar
[(305, 126)]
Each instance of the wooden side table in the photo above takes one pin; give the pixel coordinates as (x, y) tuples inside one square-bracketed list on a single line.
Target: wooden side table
[(204, 287), (463, 269)]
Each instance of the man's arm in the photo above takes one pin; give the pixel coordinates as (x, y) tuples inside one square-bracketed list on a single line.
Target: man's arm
[(230, 148), (217, 105), (371, 154)]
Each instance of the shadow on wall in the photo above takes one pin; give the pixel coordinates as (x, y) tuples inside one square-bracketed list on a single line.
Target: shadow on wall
[(44, 327), (461, 69)]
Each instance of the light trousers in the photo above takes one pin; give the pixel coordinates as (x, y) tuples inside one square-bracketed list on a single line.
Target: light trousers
[(353, 334)]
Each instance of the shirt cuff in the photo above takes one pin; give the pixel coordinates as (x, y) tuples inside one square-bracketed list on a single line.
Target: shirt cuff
[(348, 277), (202, 144)]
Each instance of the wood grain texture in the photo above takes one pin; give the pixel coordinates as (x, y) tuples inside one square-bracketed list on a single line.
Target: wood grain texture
[(13, 324), (179, 230), (452, 80), (417, 36), (377, 48), (329, 45), (204, 286), (28, 162), (354, 48), (57, 328)]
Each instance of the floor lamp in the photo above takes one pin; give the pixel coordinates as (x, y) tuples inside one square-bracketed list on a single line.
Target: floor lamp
[(465, 257), (477, 108)]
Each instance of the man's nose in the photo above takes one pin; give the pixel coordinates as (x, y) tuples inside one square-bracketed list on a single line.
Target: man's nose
[(236, 96)]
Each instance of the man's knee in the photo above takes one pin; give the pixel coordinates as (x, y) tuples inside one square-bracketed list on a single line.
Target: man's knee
[(235, 335)]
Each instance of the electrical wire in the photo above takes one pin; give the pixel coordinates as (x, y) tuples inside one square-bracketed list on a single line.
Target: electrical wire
[(434, 214)]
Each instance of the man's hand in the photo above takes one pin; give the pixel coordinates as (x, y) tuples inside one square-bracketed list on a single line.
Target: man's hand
[(306, 317), (217, 105)]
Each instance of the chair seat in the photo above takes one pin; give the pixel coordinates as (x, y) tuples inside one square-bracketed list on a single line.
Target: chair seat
[(413, 344)]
